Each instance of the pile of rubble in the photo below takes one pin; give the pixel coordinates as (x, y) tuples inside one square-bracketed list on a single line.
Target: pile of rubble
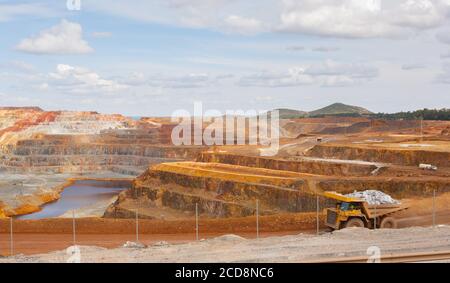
[(134, 245), (373, 197)]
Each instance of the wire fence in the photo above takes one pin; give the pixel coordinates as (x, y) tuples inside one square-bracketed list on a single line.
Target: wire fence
[(433, 219)]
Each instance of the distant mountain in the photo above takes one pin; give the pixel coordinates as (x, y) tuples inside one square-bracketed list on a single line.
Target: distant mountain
[(340, 109), (285, 113)]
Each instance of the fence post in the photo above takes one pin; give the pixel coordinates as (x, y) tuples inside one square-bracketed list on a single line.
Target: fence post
[(257, 219), (74, 228), (196, 221), (137, 225), (11, 238), (317, 214), (434, 208)]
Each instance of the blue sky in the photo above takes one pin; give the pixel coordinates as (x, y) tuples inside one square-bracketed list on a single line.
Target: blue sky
[(155, 57)]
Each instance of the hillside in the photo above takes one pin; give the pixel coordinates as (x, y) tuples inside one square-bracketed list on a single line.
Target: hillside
[(291, 113), (333, 109), (339, 109)]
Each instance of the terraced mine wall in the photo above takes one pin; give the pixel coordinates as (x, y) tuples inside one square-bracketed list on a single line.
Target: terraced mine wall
[(304, 166), (35, 148), (401, 157), (223, 190), (215, 196), (40, 156)]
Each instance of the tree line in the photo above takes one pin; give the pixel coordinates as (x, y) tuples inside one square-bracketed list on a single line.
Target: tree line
[(425, 114)]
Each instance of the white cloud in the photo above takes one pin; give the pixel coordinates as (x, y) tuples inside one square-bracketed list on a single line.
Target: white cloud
[(362, 18), (243, 25), (63, 38), (81, 80), (337, 18), (328, 73), (220, 15), (421, 14)]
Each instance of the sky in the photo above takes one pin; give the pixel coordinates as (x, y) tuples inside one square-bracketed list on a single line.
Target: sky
[(153, 57)]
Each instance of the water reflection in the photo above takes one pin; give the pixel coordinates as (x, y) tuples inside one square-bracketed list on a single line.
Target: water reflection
[(80, 194)]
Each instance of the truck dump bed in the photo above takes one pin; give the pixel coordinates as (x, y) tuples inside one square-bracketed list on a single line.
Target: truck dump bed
[(384, 209)]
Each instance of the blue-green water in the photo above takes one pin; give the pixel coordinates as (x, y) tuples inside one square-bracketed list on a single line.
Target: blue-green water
[(80, 194)]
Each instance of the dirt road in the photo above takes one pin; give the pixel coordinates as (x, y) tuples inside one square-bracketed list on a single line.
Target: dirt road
[(350, 242), (31, 243)]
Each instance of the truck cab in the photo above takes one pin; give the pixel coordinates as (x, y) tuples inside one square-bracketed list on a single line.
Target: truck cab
[(346, 209)]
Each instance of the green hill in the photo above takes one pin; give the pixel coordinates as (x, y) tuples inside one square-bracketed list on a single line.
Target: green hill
[(285, 113), (340, 109)]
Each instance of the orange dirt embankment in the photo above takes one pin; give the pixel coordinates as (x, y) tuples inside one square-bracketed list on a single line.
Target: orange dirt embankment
[(394, 155), (270, 223), (304, 166)]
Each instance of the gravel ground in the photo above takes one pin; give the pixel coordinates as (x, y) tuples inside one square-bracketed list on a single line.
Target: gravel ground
[(297, 248)]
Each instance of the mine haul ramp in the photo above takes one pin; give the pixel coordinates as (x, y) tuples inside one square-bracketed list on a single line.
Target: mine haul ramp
[(355, 212)]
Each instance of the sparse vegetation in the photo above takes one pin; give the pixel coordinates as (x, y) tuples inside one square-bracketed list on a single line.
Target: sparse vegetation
[(427, 114)]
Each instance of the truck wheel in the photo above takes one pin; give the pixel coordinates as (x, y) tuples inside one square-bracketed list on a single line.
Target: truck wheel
[(355, 222), (388, 223)]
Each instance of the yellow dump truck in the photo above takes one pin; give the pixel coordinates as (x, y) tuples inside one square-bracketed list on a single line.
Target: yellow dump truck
[(355, 212)]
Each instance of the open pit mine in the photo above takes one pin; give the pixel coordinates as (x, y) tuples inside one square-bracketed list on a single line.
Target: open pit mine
[(48, 156)]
